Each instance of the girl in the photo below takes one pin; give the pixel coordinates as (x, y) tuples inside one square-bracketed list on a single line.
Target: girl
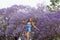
[(29, 25)]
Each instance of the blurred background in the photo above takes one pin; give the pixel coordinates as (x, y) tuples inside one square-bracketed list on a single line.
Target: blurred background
[(45, 14)]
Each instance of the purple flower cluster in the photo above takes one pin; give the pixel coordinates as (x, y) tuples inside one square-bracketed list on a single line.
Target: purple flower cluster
[(47, 22)]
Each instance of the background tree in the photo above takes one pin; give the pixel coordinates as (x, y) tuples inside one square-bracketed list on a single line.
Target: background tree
[(54, 5)]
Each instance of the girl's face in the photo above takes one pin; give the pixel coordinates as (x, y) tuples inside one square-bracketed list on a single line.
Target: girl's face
[(30, 19)]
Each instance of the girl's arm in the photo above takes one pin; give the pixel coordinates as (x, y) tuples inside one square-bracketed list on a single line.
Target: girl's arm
[(23, 21), (35, 26)]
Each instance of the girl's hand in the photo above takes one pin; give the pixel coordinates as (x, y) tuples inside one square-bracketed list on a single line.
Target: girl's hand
[(38, 30)]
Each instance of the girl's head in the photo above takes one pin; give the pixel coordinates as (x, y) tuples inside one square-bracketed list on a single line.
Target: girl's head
[(29, 20)]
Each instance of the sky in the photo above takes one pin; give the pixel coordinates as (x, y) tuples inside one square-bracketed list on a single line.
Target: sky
[(32, 3)]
